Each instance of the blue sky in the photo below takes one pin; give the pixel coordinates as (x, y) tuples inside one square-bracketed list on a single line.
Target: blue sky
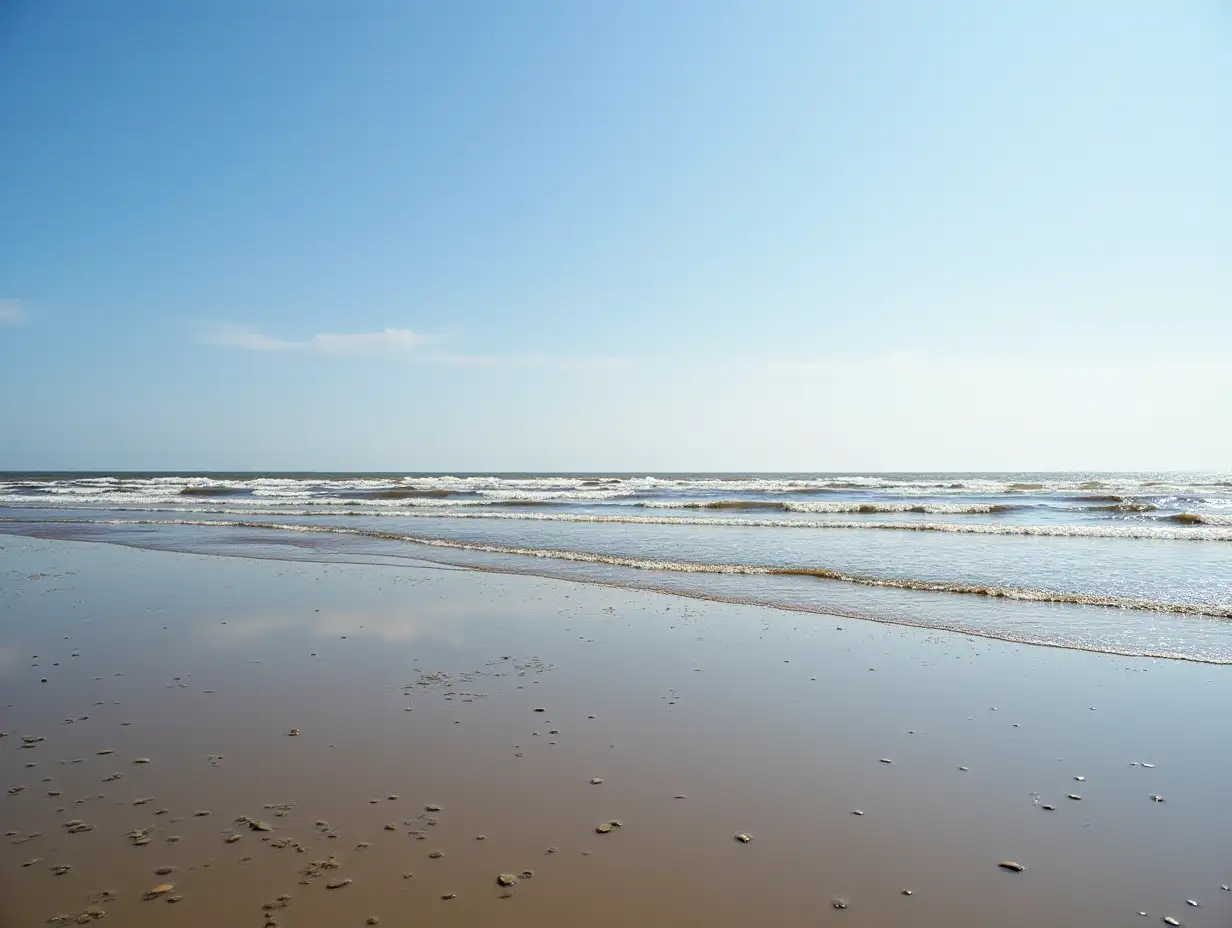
[(635, 236)]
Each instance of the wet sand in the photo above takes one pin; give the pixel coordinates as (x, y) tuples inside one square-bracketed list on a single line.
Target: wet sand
[(703, 721)]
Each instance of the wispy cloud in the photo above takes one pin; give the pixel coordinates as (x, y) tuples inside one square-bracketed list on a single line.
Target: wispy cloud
[(354, 344), (13, 313), (393, 343), (908, 365)]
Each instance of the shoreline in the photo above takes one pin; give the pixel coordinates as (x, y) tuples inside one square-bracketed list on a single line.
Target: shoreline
[(514, 565)]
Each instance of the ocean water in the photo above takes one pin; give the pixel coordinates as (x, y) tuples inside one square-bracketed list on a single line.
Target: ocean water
[(1125, 563)]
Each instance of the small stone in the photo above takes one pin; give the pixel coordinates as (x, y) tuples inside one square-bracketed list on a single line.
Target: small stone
[(61, 869), (142, 760), (160, 890), (1012, 865), (174, 898), (839, 903), (1073, 796), (391, 827), (1169, 920), (906, 892), (506, 879), (294, 732), (1157, 799), (163, 871), (436, 855), (541, 710), (260, 826), (1192, 902), (604, 828), (432, 808), (1080, 779), (857, 811), (886, 760), (373, 920), (338, 884), (1048, 808), (744, 838), (595, 781), (449, 896)]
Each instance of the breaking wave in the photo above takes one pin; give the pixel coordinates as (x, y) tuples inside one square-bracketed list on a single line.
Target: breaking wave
[(833, 507)]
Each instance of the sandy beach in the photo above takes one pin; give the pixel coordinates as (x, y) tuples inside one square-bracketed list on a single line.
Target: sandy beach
[(410, 734)]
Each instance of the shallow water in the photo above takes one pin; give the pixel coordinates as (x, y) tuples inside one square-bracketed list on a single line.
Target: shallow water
[(1129, 563)]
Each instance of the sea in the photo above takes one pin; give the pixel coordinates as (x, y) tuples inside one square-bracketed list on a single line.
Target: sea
[(1131, 564)]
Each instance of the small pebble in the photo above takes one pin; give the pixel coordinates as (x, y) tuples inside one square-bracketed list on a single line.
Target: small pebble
[(449, 896), (742, 837), (1012, 865), (839, 903)]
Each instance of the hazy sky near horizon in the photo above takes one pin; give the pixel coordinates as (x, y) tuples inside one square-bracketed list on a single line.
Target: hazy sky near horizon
[(645, 235)]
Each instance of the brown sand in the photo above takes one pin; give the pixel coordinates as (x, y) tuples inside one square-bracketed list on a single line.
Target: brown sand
[(709, 720)]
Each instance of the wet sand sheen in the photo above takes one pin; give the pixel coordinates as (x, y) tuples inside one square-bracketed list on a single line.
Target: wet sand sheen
[(700, 722)]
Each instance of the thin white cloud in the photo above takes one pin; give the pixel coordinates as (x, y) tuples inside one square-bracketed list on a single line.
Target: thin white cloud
[(400, 343), (13, 313), (907, 365), (354, 344)]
